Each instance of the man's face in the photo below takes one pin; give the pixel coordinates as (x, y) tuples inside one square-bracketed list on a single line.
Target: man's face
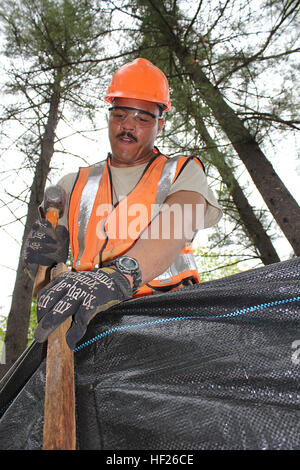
[(131, 143)]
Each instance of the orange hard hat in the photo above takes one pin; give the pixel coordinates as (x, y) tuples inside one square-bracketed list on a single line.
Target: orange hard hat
[(140, 80)]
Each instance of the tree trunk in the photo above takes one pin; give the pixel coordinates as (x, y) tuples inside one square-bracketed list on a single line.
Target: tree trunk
[(18, 319), (251, 225), (278, 199)]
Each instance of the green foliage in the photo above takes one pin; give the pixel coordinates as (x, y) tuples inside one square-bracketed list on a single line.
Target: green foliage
[(213, 265), (32, 322), (53, 45), (31, 329), (3, 321), (49, 31)]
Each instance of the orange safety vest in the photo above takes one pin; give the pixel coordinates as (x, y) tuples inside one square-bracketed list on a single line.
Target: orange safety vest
[(99, 231)]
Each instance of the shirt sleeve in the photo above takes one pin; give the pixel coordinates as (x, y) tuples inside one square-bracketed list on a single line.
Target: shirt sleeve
[(193, 178), (67, 183)]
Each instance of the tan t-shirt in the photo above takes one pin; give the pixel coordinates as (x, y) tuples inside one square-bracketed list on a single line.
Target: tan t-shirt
[(192, 178)]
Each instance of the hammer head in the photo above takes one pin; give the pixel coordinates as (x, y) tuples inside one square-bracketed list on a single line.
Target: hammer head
[(55, 198)]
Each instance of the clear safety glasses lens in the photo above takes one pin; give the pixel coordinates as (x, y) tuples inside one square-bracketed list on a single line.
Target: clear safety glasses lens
[(119, 114)]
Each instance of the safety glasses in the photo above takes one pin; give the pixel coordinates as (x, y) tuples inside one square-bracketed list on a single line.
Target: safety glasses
[(119, 114)]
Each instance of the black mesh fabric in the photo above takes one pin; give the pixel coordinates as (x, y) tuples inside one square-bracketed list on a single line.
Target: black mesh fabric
[(212, 366)]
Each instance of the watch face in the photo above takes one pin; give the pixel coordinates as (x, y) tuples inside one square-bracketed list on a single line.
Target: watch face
[(128, 263)]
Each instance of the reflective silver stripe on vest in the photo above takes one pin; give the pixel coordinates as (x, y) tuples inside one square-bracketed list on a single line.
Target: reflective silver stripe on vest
[(87, 200), (185, 262), (164, 185)]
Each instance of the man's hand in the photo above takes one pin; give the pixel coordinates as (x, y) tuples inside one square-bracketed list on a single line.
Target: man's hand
[(45, 246), (81, 295)]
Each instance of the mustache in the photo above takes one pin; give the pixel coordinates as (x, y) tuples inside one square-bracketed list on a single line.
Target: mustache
[(128, 134)]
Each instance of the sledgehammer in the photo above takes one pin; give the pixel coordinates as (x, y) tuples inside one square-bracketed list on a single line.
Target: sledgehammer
[(59, 431), (54, 207)]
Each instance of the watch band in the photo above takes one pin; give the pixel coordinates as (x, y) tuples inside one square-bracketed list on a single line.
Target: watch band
[(131, 267)]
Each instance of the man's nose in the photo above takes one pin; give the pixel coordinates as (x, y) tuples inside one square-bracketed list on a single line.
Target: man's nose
[(129, 122)]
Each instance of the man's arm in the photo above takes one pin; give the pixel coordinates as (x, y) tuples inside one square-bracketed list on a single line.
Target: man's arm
[(83, 295), (168, 233)]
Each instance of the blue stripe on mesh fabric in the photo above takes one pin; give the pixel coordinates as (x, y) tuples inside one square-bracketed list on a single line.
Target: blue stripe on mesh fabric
[(242, 311)]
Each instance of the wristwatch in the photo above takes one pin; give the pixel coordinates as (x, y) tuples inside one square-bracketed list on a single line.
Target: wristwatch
[(130, 266)]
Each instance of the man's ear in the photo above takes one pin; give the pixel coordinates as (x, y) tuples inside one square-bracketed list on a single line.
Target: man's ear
[(161, 123)]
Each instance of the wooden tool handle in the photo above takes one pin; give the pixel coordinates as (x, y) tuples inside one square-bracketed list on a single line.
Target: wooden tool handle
[(41, 280), (43, 273), (52, 216), (59, 431), (59, 409)]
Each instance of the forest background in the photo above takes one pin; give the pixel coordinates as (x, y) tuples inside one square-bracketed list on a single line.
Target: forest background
[(233, 69)]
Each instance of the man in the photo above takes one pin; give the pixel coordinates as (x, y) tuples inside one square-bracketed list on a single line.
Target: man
[(130, 218)]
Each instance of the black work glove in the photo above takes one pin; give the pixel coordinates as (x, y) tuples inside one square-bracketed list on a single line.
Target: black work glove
[(81, 295), (45, 246)]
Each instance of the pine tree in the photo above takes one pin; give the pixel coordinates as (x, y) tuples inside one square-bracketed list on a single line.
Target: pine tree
[(51, 46), (191, 52)]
